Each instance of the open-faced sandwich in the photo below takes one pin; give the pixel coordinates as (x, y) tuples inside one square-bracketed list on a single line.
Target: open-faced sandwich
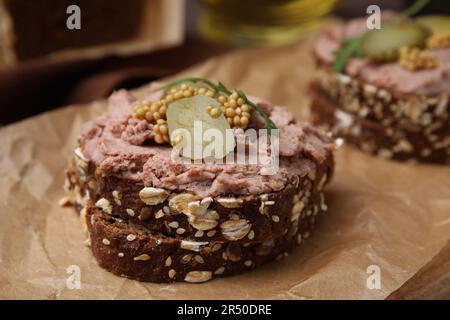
[(387, 90), (162, 201)]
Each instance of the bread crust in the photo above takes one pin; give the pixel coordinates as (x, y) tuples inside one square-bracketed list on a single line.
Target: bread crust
[(387, 107), (131, 250), (387, 141)]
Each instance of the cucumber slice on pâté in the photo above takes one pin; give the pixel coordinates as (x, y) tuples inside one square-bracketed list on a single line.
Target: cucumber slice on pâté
[(383, 44), (181, 116), (435, 22)]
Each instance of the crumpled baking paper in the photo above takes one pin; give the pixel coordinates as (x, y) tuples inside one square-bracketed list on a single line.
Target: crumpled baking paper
[(385, 219)]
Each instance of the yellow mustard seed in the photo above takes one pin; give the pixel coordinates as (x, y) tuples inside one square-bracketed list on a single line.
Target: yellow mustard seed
[(245, 108), (215, 112), (156, 115), (159, 139), (139, 113), (245, 114), (416, 59), (178, 95), (232, 103), (149, 116), (237, 121), (154, 107), (163, 129), (244, 122), (229, 112), (222, 99), (439, 39)]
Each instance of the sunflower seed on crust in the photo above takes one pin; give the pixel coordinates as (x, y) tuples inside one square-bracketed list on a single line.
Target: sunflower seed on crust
[(202, 224), (153, 196), (235, 229), (193, 245), (130, 212), (180, 202), (159, 214), (142, 257), (230, 203), (198, 276), (104, 204)]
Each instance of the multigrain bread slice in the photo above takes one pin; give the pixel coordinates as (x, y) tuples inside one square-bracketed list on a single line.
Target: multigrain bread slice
[(383, 141), (235, 217), (390, 108), (131, 250)]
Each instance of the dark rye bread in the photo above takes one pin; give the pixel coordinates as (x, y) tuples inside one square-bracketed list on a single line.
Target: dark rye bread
[(384, 141), (132, 251), (252, 218)]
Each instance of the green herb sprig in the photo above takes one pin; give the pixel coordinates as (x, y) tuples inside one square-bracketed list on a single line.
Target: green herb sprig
[(221, 88), (343, 55), (352, 47)]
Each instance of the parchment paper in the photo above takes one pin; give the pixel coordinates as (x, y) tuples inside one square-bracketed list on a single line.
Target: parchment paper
[(395, 216)]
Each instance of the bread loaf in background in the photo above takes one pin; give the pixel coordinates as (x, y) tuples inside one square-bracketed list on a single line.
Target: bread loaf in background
[(35, 29)]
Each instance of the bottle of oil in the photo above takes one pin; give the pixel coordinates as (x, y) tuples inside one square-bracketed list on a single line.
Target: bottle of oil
[(256, 22)]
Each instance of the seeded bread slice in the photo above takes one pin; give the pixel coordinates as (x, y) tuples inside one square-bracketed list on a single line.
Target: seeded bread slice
[(381, 105), (389, 142), (227, 218), (395, 125), (131, 250)]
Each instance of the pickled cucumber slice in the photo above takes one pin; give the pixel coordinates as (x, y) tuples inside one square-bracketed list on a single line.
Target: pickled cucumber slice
[(383, 44), (195, 132), (435, 22)]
